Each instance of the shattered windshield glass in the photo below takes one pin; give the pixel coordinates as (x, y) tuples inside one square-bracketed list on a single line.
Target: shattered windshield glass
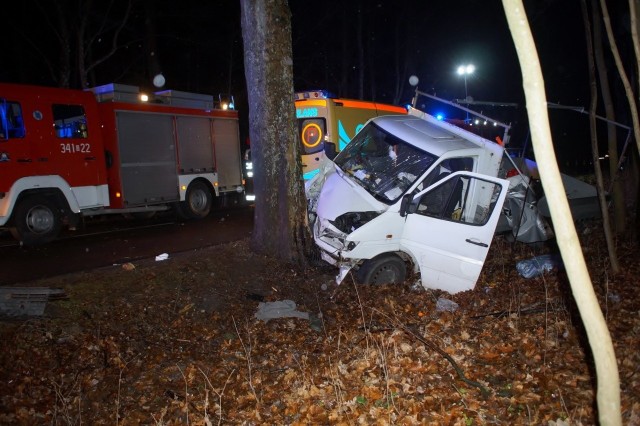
[(383, 164)]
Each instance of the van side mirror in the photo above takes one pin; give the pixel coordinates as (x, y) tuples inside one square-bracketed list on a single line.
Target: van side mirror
[(405, 203)]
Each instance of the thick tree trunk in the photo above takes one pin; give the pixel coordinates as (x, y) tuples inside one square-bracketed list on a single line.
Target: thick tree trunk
[(608, 395), (280, 226)]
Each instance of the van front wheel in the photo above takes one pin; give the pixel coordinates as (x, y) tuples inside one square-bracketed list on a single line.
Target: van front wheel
[(383, 269)]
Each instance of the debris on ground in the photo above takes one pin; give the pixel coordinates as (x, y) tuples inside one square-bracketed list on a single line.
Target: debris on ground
[(27, 301), (161, 257), (179, 342), (538, 265), (446, 305), (279, 309)]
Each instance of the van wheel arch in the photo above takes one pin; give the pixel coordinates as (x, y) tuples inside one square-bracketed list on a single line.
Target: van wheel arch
[(385, 268)]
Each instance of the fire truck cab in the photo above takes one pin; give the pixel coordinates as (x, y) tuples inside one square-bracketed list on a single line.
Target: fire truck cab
[(66, 154)]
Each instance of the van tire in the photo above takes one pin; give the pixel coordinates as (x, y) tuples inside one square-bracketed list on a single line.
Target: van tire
[(37, 220), (383, 269), (197, 202)]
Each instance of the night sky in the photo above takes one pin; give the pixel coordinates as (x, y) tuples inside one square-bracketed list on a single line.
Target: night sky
[(198, 47)]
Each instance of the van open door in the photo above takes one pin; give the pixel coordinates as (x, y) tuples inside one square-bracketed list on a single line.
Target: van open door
[(449, 227)]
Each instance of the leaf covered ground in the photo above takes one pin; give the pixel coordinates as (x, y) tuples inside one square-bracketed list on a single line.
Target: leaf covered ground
[(177, 342)]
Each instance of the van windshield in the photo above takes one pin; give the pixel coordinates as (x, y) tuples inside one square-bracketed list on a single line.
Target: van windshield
[(383, 164)]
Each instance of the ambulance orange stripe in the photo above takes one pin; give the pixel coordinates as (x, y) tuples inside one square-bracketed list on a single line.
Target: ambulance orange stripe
[(391, 108), (310, 102), (371, 105), (356, 104)]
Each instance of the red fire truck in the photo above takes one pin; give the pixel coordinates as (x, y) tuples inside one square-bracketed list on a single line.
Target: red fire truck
[(67, 154)]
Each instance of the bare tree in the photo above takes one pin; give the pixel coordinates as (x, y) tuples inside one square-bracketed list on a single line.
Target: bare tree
[(633, 16), (360, 48), (151, 42), (64, 38), (633, 105), (604, 209), (634, 5), (617, 194), (87, 36), (400, 56), (280, 225), (608, 394)]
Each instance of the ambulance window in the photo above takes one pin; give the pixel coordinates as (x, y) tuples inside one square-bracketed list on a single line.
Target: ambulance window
[(312, 131), (11, 122), (69, 121)]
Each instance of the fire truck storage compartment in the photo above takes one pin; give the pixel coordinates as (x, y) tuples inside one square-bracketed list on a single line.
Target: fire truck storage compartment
[(195, 146), (228, 155), (147, 158)]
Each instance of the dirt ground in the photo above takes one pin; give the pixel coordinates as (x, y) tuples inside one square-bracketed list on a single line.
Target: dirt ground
[(178, 342)]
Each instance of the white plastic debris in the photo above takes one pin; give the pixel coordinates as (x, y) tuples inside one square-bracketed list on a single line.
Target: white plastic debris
[(161, 257)]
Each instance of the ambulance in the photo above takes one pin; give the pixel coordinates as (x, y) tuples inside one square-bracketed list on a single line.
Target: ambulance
[(327, 124)]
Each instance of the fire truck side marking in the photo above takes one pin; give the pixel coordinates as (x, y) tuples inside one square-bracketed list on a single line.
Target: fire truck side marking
[(70, 148)]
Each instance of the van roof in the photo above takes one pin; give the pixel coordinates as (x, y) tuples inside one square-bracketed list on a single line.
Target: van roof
[(429, 134)]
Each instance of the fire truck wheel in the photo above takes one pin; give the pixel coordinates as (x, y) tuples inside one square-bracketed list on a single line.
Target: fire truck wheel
[(36, 221), (383, 269), (197, 202)]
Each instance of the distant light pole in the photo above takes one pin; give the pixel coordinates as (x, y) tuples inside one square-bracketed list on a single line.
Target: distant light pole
[(465, 70)]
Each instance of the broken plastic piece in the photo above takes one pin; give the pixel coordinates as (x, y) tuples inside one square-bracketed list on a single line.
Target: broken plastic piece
[(538, 265), (446, 305), (163, 256), (279, 309), (29, 301), (342, 273)]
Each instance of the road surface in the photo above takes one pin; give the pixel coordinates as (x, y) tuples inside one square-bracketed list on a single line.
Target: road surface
[(116, 241)]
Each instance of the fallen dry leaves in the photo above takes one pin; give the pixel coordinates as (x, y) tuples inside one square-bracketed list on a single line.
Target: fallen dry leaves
[(177, 343)]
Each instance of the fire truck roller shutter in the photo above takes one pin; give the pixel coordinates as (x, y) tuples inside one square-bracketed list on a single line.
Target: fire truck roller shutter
[(37, 218), (197, 201)]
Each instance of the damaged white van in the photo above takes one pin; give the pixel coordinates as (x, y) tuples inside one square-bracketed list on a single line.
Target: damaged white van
[(409, 193)]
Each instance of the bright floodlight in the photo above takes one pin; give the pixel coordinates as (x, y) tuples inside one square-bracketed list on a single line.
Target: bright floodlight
[(466, 69)]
